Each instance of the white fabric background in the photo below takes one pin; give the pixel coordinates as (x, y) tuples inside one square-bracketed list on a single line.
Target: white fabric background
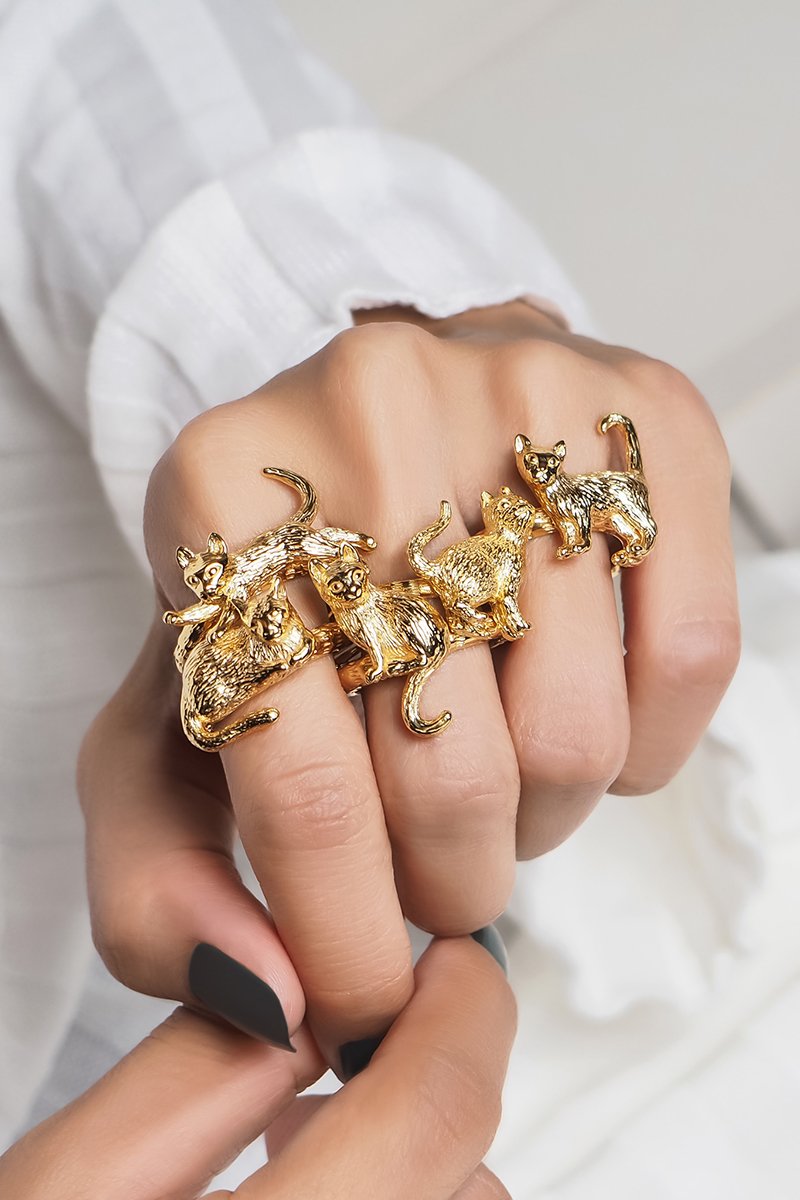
[(186, 216)]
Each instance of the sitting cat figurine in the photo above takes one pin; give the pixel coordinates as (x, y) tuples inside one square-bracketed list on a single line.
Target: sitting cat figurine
[(220, 675), (400, 631), (615, 502), (485, 569), (226, 583)]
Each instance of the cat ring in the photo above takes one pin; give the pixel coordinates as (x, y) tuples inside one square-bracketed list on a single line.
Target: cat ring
[(243, 633)]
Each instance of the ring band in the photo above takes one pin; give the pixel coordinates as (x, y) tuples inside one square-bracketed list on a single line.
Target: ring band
[(243, 634)]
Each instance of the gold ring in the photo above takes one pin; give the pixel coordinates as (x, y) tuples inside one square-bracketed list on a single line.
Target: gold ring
[(243, 634)]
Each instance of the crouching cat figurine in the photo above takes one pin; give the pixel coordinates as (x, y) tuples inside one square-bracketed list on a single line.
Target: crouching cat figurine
[(615, 502), (221, 673), (226, 583), (485, 570), (400, 631)]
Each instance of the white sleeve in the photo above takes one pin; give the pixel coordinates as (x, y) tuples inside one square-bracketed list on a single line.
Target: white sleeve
[(199, 203)]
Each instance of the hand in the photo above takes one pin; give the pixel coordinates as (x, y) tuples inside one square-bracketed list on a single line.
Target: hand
[(346, 832), (416, 1122)]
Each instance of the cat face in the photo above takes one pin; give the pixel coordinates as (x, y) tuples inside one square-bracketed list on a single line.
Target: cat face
[(203, 572), (506, 510), (539, 465), (270, 617), (341, 580)]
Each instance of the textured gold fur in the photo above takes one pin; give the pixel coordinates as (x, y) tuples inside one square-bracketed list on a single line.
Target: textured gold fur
[(615, 502)]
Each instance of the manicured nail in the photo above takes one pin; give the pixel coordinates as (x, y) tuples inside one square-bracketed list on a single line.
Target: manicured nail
[(490, 939), (231, 991), (357, 1055)]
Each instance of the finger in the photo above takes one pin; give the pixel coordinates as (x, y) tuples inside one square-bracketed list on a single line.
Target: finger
[(681, 618), (430, 1098), (304, 793), (563, 686), (167, 1119), (481, 1184), (163, 886), (451, 800), (310, 817)]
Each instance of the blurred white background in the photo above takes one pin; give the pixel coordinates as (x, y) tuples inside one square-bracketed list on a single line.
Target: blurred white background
[(654, 143)]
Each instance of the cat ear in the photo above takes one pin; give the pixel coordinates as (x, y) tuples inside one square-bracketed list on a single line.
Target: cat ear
[(505, 489), (273, 586), (316, 570), (216, 544), (486, 498), (560, 449), (184, 556), (348, 553), (521, 443)]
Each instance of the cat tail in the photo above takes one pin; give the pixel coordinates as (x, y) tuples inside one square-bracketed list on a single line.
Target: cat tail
[(412, 694), (205, 738), (422, 565), (632, 450), (308, 509)]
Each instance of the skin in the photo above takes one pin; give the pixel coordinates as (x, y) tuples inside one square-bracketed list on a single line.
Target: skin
[(346, 831), (167, 1118)]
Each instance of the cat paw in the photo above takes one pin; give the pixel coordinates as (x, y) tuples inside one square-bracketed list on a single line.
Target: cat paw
[(374, 675)]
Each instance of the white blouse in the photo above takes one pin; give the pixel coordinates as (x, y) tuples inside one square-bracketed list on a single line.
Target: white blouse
[(191, 202)]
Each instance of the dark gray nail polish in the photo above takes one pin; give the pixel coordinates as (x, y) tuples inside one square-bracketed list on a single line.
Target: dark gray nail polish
[(355, 1056), (231, 991), (490, 939)]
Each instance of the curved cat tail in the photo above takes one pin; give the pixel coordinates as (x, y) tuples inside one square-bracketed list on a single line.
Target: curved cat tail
[(200, 735), (422, 565), (632, 451), (412, 694), (308, 509)]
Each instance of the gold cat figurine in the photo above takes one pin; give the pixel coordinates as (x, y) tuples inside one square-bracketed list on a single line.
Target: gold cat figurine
[(227, 583), (615, 502), (220, 675), (485, 569), (400, 631)]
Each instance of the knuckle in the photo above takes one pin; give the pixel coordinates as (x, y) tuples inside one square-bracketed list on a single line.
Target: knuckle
[(121, 924), (473, 794), (583, 753), (316, 807), (534, 358), (359, 357), (377, 983), (702, 653)]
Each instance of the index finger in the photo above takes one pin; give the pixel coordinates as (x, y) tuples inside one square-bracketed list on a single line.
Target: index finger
[(303, 790)]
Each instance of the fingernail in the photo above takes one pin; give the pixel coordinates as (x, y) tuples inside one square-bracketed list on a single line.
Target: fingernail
[(490, 939), (355, 1056), (231, 991)]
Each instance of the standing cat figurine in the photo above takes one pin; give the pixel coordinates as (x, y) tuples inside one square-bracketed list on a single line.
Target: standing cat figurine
[(221, 674), (401, 632), (615, 502), (227, 583), (485, 569)]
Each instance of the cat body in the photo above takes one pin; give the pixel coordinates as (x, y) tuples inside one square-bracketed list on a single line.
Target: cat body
[(485, 569), (400, 631), (615, 502), (220, 675), (227, 583)]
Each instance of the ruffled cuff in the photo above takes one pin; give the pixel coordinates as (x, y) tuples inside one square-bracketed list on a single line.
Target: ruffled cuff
[(252, 273)]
